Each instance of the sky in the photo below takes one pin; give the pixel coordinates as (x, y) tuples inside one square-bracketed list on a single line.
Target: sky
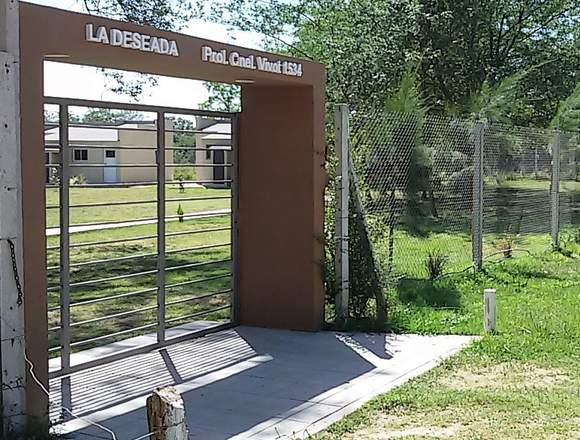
[(72, 81)]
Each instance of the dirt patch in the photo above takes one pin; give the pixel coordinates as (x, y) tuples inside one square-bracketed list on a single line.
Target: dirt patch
[(508, 375), (411, 431)]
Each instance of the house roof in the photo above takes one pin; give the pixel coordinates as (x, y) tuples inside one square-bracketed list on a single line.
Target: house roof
[(105, 133), (219, 130)]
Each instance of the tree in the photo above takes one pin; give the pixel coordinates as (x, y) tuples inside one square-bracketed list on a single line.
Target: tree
[(109, 116), (364, 43), (163, 14), (460, 45), (222, 97), (467, 43), (568, 115)]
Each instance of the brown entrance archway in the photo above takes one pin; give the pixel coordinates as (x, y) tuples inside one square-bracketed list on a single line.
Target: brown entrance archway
[(281, 160)]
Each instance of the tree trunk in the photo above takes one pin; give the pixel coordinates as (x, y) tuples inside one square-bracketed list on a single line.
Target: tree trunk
[(166, 415)]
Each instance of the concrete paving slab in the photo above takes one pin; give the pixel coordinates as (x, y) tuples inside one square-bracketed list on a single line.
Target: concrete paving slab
[(250, 383)]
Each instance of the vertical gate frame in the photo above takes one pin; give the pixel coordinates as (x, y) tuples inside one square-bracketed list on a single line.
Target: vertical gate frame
[(234, 182), (160, 226), (64, 206), (64, 256)]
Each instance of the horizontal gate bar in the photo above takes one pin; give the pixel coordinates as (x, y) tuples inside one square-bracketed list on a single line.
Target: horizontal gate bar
[(198, 231), (193, 315), (141, 202), (198, 165), (111, 335), (136, 257), (191, 199), (194, 298), (106, 298), (115, 315), (143, 237), (125, 185), (113, 127), (201, 280), (138, 350), (134, 107), (126, 165), (188, 266), (136, 274)]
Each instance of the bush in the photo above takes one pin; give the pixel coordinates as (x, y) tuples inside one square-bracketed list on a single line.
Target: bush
[(184, 173), (461, 182), (435, 264), (506, 244), (180, 213), (77, 180)]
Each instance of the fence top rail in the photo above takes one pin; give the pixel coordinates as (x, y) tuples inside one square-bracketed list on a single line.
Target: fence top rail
[(73, 102)]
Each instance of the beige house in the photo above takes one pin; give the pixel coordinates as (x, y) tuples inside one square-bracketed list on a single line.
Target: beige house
[(101, 154), (213, 147)]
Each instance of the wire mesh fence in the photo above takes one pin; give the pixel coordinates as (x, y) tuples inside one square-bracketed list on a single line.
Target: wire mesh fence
[(438, 194)]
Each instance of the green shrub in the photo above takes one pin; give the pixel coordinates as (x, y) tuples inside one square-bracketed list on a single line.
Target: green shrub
[(435, 264), (180, 213), (184, 173), (77, 180)]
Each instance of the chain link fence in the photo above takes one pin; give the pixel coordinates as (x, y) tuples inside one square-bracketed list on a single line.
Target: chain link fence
[(441, 195)]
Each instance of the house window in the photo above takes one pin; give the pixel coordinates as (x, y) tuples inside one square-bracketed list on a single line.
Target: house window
[(110, 153), (81, 155), (207, 154)]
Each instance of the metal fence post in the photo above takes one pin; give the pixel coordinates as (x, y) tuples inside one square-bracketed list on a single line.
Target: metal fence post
[(235, 191), (160, 227), (477, 211), (64, 251), (341, 215), (555, 190), (12, 346)]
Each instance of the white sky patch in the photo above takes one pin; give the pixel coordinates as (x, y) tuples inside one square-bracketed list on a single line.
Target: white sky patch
[(73, 81)]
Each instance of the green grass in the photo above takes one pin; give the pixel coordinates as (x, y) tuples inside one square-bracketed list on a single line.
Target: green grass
[(539, 184), (83, 196), (100, 270), (522, 382)]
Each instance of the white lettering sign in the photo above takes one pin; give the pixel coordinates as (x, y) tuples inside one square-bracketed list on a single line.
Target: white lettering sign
[(131, 40), (252, 62)]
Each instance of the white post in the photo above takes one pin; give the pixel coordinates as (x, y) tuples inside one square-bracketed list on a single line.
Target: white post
[(489, 310), (11, 281), (341, 215), (166, 415)]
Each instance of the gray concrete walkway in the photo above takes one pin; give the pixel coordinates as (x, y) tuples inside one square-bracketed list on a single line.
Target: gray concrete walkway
[(250, 383)]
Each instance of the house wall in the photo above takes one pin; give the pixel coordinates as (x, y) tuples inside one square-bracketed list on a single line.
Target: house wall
[(95, 157), (206, 173), (127, 138), (134, 138)]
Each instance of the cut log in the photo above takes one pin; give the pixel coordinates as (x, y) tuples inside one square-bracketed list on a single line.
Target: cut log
[(166, 415)]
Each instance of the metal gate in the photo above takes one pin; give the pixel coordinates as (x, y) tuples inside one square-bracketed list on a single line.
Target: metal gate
[(141, 238)]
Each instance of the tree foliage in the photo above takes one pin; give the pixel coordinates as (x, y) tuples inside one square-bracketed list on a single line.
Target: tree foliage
[(462, 47), (222, 97)]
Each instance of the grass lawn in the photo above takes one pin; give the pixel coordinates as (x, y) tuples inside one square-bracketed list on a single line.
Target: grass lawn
[(521, 383), (95, 214)]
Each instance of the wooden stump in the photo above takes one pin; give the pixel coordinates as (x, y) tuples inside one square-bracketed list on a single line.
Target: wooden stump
[(166, 415)]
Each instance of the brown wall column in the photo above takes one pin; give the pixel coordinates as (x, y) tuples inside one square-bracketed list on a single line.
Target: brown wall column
[(34, 220), (281, 170), (280, 216)]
